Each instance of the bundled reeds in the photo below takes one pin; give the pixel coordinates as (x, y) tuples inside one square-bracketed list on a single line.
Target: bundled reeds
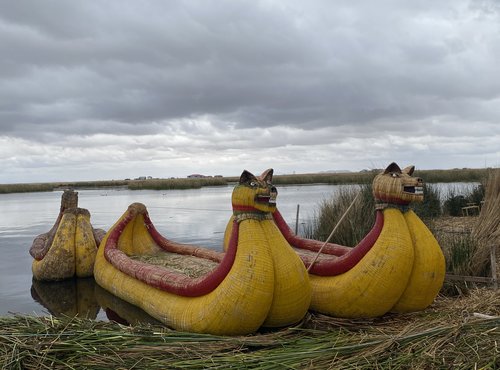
[(454, 333), (486, 231), (191, 266)]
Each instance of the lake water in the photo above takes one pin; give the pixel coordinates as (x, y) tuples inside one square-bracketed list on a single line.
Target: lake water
[(195, 216)]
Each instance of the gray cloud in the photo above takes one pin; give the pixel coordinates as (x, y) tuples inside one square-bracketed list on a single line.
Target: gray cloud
[(189, 77)]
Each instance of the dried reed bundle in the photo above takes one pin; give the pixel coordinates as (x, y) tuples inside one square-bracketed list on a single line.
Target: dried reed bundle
[(191, 266), (486, 232), (450, 334)]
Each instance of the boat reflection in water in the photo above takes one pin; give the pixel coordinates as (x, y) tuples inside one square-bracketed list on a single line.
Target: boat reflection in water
[(70, 297), (82, 297), (120, 311)]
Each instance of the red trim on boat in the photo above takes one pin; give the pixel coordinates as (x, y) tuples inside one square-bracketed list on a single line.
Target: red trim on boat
[(163, 279), (239, 208), (309, 244), (343, 258)]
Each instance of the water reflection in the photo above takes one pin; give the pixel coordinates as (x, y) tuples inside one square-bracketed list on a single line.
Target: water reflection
[(120, 311), (85, 298), (71, 297)]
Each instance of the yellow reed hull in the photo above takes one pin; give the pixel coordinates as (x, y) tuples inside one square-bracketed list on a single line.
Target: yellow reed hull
[(85, 246), (375, 284), (59, 262), (238, 306), (72, 252), (428, 269), (292, 288)]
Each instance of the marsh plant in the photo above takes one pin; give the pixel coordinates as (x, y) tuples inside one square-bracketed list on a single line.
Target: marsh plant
[(456, 199), (357, 222)]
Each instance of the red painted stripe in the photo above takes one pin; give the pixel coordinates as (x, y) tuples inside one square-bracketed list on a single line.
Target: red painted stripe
[(346, 258), (239, 208), (159, 277), (309, 244)]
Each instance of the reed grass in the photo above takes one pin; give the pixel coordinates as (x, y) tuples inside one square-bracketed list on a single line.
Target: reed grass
[(456, 199), (486, 231), (447, 335), (357, 222), (171, 184)]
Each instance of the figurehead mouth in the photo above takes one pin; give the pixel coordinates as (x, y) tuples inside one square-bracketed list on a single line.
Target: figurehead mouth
[(267, 198), (415, 190)]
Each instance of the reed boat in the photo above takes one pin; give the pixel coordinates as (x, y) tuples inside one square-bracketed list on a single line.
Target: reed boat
[(224, 293), (397, 267), (69, 248)]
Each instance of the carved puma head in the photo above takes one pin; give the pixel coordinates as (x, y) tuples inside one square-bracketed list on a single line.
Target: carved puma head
[(398, 186), (255, 192)]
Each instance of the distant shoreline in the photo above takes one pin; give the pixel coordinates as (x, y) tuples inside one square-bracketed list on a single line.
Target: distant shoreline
[(429, 176)]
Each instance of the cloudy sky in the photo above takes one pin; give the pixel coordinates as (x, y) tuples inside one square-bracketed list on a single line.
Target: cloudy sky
[(110, 89)]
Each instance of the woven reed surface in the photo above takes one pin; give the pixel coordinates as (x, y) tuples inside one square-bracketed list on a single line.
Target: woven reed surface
[(309, 255), (69, 199), (374, 285), (191, 266)]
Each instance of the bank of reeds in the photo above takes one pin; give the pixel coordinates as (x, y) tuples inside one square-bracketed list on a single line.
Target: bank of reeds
[(40, 187), (453, 175), (25, 188), (460, 333), (171, 184), (486, 231)]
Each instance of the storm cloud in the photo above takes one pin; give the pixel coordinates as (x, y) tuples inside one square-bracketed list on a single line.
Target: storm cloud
[(115, 89)]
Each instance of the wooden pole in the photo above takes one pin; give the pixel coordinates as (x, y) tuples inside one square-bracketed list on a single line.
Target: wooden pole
[(493, 258), (333, 231), (297, 220)]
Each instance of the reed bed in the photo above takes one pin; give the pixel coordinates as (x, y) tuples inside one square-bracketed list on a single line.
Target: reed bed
[(486, 231), (178, 184), (459, 333)]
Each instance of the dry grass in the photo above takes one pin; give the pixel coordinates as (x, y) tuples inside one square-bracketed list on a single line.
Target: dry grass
[(487, 229), (450, 334), (191, 266)]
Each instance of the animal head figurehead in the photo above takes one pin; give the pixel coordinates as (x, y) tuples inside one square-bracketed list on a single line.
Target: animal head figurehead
[(255, 193), (396, 186)]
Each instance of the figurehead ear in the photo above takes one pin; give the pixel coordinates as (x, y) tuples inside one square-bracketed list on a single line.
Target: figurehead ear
[(393, 167), (246, 177), (409, 170), (267, 175)]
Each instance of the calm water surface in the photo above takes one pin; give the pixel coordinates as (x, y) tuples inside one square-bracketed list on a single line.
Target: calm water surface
[(196, 216)]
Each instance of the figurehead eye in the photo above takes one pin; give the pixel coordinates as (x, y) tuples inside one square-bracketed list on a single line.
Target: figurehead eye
[(253, 184), (394, 174)]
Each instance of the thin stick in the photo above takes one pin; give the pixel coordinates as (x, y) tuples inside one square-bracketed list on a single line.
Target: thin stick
[(297, 220), (333, 231), (494, 275)]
